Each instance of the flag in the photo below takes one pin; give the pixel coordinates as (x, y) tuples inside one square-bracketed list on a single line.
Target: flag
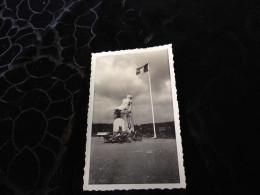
[(142, 69)]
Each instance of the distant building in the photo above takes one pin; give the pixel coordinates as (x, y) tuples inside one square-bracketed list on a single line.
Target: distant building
[(102, 134), (101, 127)]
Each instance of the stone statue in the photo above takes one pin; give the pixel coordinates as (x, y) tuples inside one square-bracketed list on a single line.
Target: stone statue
[(123, 120), (126, 104)]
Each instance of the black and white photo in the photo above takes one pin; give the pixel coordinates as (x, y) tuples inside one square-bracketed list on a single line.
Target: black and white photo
[(133, 133)]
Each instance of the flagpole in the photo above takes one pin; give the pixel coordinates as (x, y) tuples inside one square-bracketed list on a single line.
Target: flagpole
[(151, 99)]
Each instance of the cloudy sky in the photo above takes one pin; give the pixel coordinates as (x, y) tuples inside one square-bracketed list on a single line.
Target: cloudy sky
[(116, 77)]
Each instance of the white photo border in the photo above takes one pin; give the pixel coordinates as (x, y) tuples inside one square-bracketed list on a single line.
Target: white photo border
[(106, 187)]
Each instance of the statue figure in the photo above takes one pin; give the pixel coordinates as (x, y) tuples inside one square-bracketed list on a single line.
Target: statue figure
[(123, 120), (126, 104)]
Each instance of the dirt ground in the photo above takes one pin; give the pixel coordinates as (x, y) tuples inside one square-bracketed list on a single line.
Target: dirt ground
[(147, 161)]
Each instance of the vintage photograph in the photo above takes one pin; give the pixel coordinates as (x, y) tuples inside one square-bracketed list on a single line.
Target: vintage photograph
[(133, 133)]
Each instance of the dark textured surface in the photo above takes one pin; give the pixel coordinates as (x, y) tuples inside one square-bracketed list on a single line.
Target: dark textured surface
[(45, 48)]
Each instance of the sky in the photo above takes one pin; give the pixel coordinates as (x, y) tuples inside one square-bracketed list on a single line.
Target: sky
[(116, 77)]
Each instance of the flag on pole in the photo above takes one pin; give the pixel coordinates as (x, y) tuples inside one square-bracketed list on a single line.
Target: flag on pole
[(142, 69)]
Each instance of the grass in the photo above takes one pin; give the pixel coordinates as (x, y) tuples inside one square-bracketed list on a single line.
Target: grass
[(147, 161)]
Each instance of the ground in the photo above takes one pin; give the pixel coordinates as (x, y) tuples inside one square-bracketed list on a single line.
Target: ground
[(147, 161)]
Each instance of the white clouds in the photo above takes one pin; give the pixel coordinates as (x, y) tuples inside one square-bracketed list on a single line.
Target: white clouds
[(116, 77)]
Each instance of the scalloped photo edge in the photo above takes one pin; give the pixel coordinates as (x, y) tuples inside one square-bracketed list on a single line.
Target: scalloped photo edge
[(87, 186)]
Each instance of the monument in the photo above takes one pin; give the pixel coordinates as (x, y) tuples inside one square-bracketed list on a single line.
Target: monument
[(123, 126), (123, 121)]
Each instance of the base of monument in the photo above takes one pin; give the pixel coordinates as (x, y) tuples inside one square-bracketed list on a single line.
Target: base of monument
[(123, 137)]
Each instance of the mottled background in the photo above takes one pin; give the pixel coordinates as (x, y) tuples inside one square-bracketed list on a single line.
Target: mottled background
[(45, 48)]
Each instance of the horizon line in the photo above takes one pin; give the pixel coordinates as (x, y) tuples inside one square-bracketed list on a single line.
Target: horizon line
[(139, 124)]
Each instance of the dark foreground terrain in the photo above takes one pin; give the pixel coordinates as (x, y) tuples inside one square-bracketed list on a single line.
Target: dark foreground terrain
[(147, 161)]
